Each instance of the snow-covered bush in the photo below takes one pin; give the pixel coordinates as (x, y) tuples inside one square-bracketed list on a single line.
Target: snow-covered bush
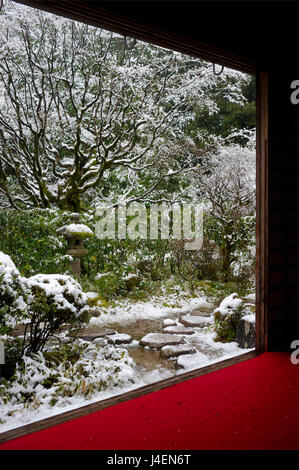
[(243, 267), (64, 373), (44, 302), (31, 238), (226, 318), (55, 300), (13, 290)]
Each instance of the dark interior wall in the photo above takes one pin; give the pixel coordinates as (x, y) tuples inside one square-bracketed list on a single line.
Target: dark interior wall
[(283, 212), (266, 32), (262, 30)]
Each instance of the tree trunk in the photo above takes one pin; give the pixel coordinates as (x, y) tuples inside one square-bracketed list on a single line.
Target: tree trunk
[(226, 260), (71, 202)]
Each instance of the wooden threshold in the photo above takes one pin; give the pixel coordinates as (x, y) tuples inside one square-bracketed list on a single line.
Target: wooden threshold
[(138, 392)]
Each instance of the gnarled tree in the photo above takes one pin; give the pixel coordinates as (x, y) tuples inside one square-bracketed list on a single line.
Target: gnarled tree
[(79, 103)]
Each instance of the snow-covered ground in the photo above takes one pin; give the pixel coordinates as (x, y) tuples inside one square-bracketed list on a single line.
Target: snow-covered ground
[(160, 307), (111, 364)]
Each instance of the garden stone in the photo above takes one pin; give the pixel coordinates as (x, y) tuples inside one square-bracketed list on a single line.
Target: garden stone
[(168, 352), (245, 336), (91, 336), (120, 338), (196, 360), (195, 321), (202, 311), (158, 340), (178, 330), (169, 322), (100, 341)]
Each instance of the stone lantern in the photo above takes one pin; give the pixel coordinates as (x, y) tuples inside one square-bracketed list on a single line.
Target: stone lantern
[(76, 233)]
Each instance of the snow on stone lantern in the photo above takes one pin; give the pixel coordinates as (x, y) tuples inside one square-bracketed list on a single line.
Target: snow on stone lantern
[(76, 233)]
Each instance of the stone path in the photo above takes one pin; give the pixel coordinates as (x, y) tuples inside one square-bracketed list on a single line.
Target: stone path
[(168, 343), (159, 344), (155, 343)]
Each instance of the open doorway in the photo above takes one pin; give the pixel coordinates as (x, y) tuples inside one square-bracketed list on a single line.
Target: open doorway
[(145, 157)]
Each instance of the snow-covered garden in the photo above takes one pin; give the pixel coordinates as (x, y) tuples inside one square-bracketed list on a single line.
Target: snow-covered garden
[(57, 369), (89, 120)]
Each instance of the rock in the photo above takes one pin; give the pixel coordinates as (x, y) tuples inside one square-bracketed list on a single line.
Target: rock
[(169, 322), (245, 336), (92, 335), (158, 340), (192, 362), (178, 330), (120, 338), (173, 351), (203, 311), (195, 321), (100, 341)]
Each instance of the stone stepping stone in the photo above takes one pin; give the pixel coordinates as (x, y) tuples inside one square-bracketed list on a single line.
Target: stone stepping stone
[(120, 338), (203, 311), (169, 322), (158, 340), (100, 341), (168, 352), (92, 335), (194, 361), (195, 321), (178, 330)]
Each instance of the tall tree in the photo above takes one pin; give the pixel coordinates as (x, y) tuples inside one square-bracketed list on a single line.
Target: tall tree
[(81, 105), (227, 185)]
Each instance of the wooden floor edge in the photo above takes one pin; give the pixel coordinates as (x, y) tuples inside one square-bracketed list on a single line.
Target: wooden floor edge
[(99, 405)]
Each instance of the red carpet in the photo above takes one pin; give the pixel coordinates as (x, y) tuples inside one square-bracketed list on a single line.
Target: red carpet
[(251, 405)]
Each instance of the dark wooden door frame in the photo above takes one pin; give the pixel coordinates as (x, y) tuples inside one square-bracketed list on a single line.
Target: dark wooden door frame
[(261, 212), (215, 55)]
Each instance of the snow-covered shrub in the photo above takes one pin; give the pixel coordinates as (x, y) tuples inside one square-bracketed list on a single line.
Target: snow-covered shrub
[(109, 284), (55, 300), (196, 264), (13, 292), (63, 374), (243, 267), (44, 302), (226, 318), (30, 238)]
